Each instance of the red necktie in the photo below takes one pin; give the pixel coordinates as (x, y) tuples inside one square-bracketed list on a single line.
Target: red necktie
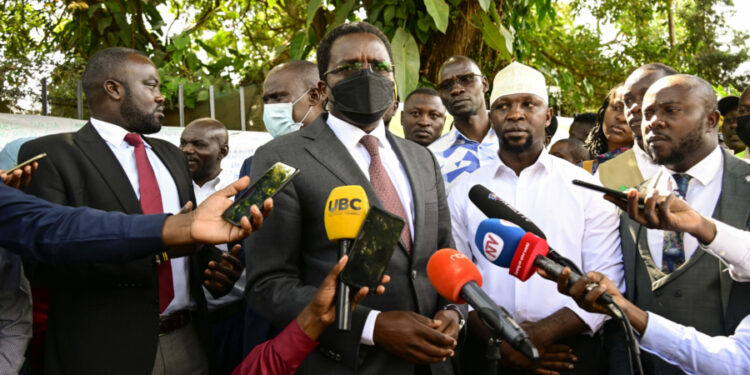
[(151, 204), (384, 186)]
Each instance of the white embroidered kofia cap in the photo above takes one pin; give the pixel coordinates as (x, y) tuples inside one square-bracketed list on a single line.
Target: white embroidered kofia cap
[(518, 78)]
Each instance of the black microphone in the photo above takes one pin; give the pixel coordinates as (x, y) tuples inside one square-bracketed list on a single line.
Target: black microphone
[(496, 208), (457, 279)]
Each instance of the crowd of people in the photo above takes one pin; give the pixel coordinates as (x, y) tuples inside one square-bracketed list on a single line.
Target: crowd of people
[(146, 292)]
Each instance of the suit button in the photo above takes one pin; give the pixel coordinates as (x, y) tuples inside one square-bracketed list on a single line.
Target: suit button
[(414, 275), (678, 293), (657, 293)]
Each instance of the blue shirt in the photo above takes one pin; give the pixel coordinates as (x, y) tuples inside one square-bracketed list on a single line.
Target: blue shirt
[(458, 156), (51, 233), (9, 153)]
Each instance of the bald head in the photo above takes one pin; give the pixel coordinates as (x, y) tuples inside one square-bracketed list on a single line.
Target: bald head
[(294, 82), (680, 121), (205, 143), (697, 86), (458, 59), (304, 71)]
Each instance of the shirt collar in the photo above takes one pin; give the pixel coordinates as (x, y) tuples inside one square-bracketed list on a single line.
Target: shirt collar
[(350, 135), (455, 136), (114, 134), (213, 184), (707, 169), (543, 162)]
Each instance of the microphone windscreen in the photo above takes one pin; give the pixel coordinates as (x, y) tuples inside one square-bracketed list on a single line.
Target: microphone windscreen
[(494, 207), (449, 270), (345, 211), (498, 240), (529, 248)]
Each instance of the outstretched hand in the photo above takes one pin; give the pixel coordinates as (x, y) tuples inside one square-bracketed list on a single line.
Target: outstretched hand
[(321, 311), (20, 177), (666, 213), (206, 224)]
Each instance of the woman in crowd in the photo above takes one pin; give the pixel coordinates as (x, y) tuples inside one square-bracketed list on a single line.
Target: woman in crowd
[(611, 136)]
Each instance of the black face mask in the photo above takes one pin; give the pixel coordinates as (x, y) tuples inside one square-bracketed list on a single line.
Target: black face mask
[(743, 129), (363, 97)]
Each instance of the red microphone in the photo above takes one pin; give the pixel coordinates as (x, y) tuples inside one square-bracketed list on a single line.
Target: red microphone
[(457, 279)]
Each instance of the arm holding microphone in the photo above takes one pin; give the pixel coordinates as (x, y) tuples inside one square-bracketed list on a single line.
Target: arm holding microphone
[(730, 244), (284, 353), (692, 351)]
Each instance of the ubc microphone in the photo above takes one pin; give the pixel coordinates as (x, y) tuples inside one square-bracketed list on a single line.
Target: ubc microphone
[(344, 213), (457, 279), (522, 252), (496, 208)]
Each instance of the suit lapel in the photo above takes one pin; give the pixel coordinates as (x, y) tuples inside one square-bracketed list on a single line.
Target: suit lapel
[(733, 208), (100, 155), (331, 154)]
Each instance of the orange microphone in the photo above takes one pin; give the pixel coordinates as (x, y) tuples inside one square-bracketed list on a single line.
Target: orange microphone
[(457, 279)]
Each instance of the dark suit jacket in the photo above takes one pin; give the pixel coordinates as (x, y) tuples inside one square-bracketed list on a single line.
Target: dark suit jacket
[(291, 255), (733, 208), (102, 318)]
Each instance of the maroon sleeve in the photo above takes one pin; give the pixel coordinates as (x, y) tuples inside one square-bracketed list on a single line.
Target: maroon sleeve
[(281, 355)]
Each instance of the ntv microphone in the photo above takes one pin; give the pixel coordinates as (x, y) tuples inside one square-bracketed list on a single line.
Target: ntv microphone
[(344, 213), (521, 252), (496, 208), (457, 279)]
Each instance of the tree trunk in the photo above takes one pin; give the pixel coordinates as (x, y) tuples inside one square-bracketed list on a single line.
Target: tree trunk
[(461, 38)]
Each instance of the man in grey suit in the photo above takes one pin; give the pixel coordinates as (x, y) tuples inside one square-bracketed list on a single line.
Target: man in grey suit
[(409, 329), (668, 272)]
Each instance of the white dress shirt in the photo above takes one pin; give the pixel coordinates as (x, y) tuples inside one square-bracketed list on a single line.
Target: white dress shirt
[(458, 156), (238, 290), (645, 164), (695, 352), (350, 135), (114, 136), (578, 223), (703, 192), (732, 246)]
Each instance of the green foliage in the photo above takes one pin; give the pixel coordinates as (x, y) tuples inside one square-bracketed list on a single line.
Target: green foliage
[(197, 43), (438, 10), (406, 61)]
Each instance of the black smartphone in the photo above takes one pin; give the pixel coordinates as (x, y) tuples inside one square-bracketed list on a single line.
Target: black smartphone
[(206, 254), (617, 194), (265, 187), (372, 249), (27, 162)]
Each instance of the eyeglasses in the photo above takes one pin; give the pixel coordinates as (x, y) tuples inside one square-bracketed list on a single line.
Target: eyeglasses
[(463, 80), (382, 67)]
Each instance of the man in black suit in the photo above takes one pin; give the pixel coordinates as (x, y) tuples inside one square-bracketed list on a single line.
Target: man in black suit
[(406, 330), (145, 315)]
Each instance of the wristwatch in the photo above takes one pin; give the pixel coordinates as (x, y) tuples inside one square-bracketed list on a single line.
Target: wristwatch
[(461, 320)]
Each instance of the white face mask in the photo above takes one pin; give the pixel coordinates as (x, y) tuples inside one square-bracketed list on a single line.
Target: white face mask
[(278, 117)]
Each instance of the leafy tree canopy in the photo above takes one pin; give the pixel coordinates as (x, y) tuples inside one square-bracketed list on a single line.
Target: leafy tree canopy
[(230, 43)]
